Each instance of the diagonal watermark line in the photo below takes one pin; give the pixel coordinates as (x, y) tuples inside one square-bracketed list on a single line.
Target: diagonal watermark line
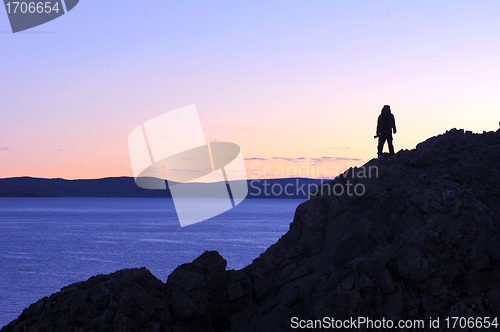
[(64, 6), (147, 143)]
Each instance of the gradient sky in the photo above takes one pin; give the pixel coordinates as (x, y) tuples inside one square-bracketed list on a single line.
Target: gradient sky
[(290, 82)]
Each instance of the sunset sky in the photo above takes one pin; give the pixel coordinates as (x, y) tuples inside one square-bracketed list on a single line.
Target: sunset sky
[(291, 82)]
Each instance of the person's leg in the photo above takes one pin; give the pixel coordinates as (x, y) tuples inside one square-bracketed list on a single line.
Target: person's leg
[(389, 143), (381, 141)]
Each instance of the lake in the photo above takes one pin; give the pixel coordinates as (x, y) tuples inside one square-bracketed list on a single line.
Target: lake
[(48, 243)]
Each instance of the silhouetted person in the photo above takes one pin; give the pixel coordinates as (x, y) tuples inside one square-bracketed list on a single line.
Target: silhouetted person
[(386, 125)]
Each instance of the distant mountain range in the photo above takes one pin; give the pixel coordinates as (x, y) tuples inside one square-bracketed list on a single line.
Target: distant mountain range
[(126, 187)]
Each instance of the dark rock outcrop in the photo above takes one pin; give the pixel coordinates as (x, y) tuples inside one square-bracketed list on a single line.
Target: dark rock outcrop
[(418, 237), (422, 241), (127, 300)]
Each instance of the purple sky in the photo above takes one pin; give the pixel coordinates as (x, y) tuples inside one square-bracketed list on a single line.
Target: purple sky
[(291, 79)]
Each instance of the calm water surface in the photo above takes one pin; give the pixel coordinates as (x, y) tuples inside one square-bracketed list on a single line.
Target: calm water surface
[(48, 243)]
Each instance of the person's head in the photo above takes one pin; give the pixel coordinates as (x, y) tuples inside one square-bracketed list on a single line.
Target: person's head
[(386, 109)]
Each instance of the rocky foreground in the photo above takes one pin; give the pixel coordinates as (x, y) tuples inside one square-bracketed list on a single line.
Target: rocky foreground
[(423, 240)]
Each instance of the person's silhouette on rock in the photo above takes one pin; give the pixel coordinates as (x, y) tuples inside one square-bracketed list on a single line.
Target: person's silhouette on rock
[(386, 125)]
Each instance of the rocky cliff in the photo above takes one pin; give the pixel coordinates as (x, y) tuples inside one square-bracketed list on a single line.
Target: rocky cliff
[(410, 237)]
